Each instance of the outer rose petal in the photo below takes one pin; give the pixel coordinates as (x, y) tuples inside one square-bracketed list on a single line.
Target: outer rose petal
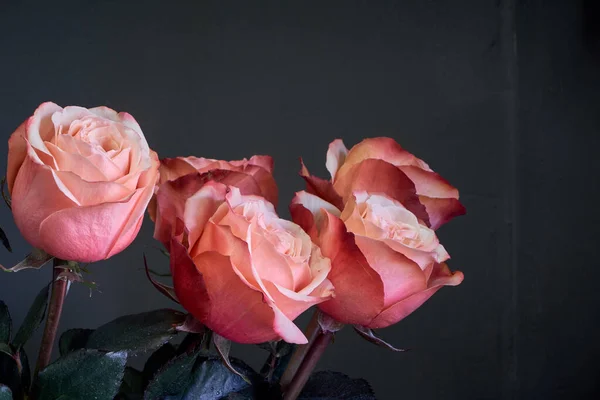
[(336, 155), (377, 176), (17, 145), (382, 148), (321, 188), (173, 168), (442, 210), (35, 196), (306, 212), (88, 234), (238, 312), (359, 290), (430, 184), (442, 276)]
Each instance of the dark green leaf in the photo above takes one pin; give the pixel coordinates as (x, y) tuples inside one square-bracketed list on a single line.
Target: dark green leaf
[(5, 393), (329, 385), (5, 323), (137, 333), (223, 346), (9, 373), (73, 339), (132, 387), (172, 380), (213, 380), (33, 319), (4, 240), (83, 374), (35, 260), (25, 369), (158, 359)]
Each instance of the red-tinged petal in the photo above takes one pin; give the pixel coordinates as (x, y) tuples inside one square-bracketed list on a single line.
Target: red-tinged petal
[(441, 276), (170, 201), (237, 311), (336, 155), (442, 210), (307, 210), (429, 183), (401, 276), (265, 162), (376, 176), (188, 283), (359, 290), (321, 188), (35, 196), (173, 168), (382, 148), (265, 181)]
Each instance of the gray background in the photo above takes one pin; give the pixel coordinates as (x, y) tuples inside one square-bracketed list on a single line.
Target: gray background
[(514, 128)]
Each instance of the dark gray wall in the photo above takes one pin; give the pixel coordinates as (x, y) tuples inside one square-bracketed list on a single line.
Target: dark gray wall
[(500, 97)]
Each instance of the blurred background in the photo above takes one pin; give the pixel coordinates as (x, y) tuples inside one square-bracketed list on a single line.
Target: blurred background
[(500, 97)]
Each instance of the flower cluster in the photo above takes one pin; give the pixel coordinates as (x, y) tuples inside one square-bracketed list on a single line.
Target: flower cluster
[(361, 246)]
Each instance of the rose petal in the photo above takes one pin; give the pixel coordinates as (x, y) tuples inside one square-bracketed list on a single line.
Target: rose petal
[(201, 206), (430, 184), (442, 210), (321, 187), (376, 176), (265, 162), (336, 155), (35, 195), (359, 289), (400, 275), (442, 276), (382, 148), (237, 311)]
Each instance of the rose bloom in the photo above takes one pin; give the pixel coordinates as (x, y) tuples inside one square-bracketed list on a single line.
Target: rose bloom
[(380, 165), (371, 221), (237, 267), (80, 180)]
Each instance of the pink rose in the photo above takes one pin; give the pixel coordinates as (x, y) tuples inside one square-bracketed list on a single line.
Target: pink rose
[(380, 165), (80, 180), (386, 262), (237, 267)]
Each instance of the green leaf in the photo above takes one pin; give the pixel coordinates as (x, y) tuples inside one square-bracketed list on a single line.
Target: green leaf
[(73, 339), (5, 393), (137, 333), (132, 387), (9, 373), (172, 380), (158, 359), (5, 323), (189, 378), (25, 369), (223, 347), (33, 319), (83, 374), (329, 385)]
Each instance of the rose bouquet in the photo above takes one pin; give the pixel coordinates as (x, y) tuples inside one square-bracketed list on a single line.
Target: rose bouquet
[(361, 250)]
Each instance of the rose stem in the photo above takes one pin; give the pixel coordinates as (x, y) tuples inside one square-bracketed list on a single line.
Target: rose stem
[(57, 299), (312, 331), (308, 365)]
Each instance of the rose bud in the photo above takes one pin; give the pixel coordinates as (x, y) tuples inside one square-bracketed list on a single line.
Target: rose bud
[(80, 180), (385, 262), (237, 267)]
